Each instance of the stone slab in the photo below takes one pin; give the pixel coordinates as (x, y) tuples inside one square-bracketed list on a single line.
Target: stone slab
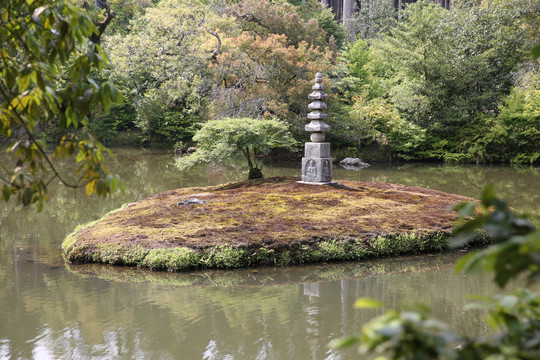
[(317, 183), (317, 105), (317, 95), (317, 126), (317, 115), (317, 150)]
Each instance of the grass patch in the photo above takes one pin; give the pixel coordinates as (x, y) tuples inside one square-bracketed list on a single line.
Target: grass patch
[(228, 257), (68, 245), (270, 222)]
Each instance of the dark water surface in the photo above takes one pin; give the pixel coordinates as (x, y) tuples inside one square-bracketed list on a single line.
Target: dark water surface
[(49, 310)]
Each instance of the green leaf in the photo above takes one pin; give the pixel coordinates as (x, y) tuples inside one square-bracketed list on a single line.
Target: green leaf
[(11, 77), (471, 263), (508, 301), (27, 196), (23, 81), (344, 342), (465, 209), (37, 13), (367, 303), (390, 330), (488, 194), (6, 193), (80, 156)]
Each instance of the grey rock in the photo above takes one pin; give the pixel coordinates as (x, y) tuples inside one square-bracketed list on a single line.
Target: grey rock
[(191, 201), (353, 162)]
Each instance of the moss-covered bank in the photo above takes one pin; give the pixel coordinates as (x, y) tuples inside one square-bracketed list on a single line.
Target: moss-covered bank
[(268, 222)]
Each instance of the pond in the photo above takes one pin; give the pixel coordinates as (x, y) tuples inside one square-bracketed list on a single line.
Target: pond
[(49, 310)]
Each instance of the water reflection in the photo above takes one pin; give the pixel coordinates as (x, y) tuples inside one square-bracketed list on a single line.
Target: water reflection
[(62, 314), (48, 310)]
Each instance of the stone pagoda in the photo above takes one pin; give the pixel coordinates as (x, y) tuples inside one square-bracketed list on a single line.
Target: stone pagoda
[(317, 163)]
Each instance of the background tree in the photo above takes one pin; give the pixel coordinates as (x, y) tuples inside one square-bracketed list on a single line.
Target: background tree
[(374, 19), (267, 68), (452, 79), (223, 139), (162, 67), (446, 72), (518, 125), (325, 18), (42, 42)]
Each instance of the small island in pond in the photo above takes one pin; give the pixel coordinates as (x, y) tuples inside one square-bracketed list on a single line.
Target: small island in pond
[(275, 221)]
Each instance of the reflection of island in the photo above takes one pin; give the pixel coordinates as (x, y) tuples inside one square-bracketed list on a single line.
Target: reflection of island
[(268, 275), (350, 167), (171, 319)]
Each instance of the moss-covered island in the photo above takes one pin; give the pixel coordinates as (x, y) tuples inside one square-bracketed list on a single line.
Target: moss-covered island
[(274, 221)]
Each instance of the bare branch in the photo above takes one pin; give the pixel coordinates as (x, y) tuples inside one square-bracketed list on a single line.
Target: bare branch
[(203, 17), (183, 35), (249, 17), (216, 52)]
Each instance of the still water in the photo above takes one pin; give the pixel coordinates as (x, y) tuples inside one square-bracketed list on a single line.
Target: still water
[(51, 310)]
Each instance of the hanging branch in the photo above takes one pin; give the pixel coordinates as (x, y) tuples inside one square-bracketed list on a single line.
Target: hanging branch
[(96, 38)]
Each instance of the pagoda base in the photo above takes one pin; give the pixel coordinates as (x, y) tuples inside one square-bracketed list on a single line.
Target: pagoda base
[(317, 169)]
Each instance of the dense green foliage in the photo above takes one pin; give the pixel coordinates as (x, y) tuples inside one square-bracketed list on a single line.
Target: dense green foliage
[(516, 316), (420, 83), (448, 76), (219, 140), (47, 76)]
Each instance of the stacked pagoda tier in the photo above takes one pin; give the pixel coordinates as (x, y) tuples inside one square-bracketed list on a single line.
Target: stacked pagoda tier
[(317, 163)]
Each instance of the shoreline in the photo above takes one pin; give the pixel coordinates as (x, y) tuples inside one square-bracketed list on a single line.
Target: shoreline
[(266, 222)]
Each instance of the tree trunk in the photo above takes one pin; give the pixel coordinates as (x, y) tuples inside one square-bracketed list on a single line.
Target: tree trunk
[(348, 9), (248, 157)]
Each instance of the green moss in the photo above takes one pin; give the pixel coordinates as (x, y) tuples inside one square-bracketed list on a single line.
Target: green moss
[(170, 259), (68, 245), (226, 256), (69, 242), (116, 254), (351, 219)]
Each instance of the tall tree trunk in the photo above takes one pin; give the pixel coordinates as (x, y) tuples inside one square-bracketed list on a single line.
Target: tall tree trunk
[(348, 9)]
